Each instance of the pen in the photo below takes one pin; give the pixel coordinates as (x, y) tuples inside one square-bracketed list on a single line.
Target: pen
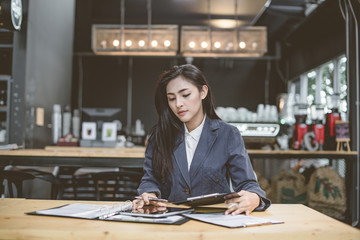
[(153, 199)]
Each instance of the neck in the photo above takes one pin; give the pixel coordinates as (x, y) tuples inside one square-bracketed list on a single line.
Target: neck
[(191, 125)]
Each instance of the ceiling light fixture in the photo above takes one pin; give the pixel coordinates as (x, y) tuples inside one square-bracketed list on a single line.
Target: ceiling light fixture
[(207, 41), (162, 40), (135, 40)]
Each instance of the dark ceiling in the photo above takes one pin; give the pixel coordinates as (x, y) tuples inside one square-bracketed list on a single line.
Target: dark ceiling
[(280, 17), (275, 14)]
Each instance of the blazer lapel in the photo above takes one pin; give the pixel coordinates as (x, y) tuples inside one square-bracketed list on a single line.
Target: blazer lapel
[(207, 139), (181, 160)]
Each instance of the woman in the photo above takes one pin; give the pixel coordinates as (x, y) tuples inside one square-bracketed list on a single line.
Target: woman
[(191, 152)]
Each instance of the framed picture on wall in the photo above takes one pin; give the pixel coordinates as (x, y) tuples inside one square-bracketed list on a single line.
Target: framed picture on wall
[(88, 131), (109, 130)]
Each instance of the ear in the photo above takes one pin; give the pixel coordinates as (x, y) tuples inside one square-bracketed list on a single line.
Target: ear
[(204, 92)]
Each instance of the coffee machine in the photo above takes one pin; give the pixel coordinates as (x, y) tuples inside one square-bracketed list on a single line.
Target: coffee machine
[(300, 127), (333, 104), (318, 126)]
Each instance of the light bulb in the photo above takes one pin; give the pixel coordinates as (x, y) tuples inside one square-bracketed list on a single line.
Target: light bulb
[(141, 43), (217, 44), (204, 44), (242, 45), (116, 43), (154, 43), (128, 43), (167, 43), (103, 44), (229, 46), (192, 44), (254, 45)]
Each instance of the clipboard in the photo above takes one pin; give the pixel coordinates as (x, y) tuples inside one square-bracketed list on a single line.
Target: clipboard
[(207, 199)]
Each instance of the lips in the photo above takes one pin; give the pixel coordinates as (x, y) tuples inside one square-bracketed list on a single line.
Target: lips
[(181, 113)]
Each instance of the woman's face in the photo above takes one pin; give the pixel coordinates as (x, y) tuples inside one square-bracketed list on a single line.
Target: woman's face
[(185, 100)]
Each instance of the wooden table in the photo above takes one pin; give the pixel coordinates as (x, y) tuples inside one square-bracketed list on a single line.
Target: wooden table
[(74, 157), (127, 157), (301, 222), (134, 158)]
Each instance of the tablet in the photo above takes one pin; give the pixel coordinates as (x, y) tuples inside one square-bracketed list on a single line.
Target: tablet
[(153, 213), (207, 199)]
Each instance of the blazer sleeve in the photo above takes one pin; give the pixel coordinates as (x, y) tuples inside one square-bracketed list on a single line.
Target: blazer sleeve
[(240, 169), (149, 182)]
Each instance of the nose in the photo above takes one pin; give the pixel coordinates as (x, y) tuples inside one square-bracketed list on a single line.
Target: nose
[(179, 102)]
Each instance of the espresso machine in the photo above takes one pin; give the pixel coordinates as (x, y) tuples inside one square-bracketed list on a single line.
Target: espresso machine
[(318, 126), (300, 127), (333, 104)]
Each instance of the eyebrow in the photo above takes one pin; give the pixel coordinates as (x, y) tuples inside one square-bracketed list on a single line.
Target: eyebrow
[(182, 90)]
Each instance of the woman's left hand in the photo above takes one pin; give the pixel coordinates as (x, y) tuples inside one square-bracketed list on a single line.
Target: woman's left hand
[(246, 202)]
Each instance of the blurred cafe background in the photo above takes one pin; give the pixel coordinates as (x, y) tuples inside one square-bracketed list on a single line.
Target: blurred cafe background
[(80, 74)]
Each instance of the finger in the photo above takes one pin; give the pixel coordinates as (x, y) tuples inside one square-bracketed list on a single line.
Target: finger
[(135, 204), (140, 204), (154, 210), (247, 212), (141, 210), (161, 208), (233, 195), (231, 209), (238, 211), (146, 199), (242, 193)]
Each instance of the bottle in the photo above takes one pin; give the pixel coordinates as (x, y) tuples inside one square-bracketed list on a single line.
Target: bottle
[(66, 121), (2, 97), (76, 124), (56, 123)]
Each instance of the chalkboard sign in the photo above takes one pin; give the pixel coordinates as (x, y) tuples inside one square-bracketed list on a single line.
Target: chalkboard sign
[(342, 130)]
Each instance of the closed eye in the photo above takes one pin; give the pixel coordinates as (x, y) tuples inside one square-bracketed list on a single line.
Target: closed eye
[(186, 95)]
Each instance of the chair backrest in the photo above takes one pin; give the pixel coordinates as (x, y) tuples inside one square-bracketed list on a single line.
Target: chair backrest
[(83, 187), (15, 181), (16, 178), (101, 184), (116, 186), (66, 177)]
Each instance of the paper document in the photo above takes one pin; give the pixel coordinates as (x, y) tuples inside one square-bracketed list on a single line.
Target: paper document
[(85, 210), (229, 220), (167, 220)]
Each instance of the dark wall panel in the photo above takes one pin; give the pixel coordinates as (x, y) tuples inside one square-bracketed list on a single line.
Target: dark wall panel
[(235, 83), (319, 38)]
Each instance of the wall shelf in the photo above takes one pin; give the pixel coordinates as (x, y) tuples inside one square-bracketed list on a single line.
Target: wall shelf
[(6, 109)]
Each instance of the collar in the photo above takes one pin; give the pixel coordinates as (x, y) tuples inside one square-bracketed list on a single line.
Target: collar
[(196, 133)]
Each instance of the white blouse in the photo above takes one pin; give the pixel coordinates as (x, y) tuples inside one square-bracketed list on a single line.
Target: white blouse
[(191, 141)]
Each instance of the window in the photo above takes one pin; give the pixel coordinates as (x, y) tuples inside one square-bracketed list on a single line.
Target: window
[(343, 87), (328, 79), (311, 76), (319, 85)]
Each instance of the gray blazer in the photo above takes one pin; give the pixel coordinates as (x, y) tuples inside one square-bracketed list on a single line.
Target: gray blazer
[(220, 156)]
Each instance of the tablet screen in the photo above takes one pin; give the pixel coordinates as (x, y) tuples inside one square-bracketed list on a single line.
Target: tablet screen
[(156, 212), (207, 199)]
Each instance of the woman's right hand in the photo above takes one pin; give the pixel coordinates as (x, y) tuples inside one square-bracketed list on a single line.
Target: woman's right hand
[(140, 203)]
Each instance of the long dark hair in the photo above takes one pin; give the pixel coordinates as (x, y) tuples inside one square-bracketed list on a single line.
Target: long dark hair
[(168, 127)]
